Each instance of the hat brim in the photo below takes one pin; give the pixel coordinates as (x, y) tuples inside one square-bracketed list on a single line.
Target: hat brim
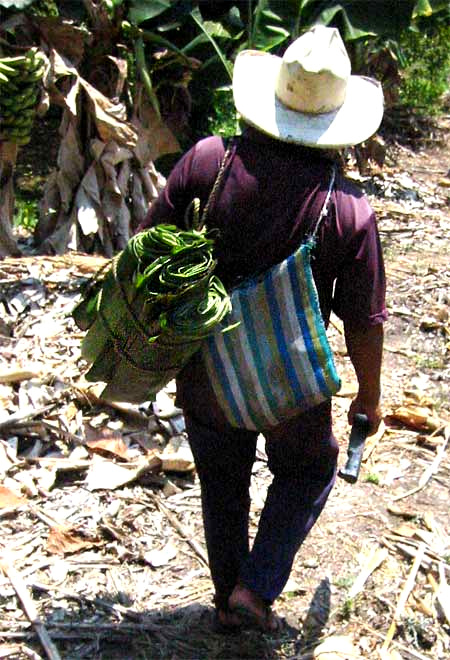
[(254, 82)]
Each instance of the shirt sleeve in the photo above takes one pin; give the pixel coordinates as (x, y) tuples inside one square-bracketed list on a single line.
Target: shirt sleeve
[(360, 286), (165, 208), (191, 177)]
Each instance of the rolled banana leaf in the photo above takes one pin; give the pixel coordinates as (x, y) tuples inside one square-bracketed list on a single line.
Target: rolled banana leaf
[(145, 370), (150, 312)]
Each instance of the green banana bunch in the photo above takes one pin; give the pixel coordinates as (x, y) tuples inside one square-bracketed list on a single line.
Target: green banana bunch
[(20, 79)]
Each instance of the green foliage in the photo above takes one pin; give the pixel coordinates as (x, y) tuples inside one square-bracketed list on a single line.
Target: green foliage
[(44, 8), (373, 478), (344, 582), (347, 608), (277, 22), (26, 213), (223, 120), (144, 10), (356, 19), (427, 72)]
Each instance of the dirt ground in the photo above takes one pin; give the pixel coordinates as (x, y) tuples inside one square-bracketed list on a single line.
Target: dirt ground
[(120, 572)]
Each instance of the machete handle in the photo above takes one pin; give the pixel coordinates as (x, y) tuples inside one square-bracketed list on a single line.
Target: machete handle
[(358, 435)]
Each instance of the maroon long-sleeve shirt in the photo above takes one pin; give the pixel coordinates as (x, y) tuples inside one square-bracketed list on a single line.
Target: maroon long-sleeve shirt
[(272, 193)]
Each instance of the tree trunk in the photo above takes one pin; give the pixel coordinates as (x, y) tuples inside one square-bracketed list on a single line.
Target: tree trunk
[(8, 157)]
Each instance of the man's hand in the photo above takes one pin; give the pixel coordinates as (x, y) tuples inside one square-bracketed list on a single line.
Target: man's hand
[(372, 410)]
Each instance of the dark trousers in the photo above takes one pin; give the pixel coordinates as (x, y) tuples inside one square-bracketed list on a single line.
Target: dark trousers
[(302, 457)]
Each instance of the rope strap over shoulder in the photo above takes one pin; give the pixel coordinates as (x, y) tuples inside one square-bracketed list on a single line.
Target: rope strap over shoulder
[(217, 183), (192, 217), (325, 206)]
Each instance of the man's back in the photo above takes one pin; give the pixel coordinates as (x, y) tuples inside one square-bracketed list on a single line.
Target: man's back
[(270, 198)]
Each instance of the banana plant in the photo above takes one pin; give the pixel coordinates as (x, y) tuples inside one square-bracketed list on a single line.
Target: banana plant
[(131, 96), (21, 72), (274, 23)]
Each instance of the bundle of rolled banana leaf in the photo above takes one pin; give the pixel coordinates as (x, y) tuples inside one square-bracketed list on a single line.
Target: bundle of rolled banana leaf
[(20, 78), (149, 312)]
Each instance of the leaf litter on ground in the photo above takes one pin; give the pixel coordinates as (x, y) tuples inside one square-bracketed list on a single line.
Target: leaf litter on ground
[(100, 512)]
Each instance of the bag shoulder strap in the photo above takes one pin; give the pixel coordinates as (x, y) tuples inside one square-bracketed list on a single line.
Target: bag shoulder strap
[(313, 233)]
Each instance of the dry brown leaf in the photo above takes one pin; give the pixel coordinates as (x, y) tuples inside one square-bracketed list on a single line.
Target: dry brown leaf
[(113, 155), (407, 514), (16, 374), (108, 475), (109, 442), (442, 592), (162, 556), (45, 477), (87, 201), (177, 456), (407, 531), (375, 557), (393, 654), (7, 457), (155, 138), (70, 97), (373, 440), (337, 647), (5, 399), (9, 500), (140, 207), (71, 166), (65, 37), (417, 417), (61, 66), (110, 118), (122, 71), (66, 540)]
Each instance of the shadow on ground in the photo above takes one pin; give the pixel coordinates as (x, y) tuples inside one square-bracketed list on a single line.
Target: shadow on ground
[(184, 632)]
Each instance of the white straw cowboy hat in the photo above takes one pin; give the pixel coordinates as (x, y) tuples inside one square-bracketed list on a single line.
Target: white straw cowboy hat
[(308, 96)]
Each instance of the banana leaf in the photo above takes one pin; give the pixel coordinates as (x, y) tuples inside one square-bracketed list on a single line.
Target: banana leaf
[(144, 370), (150, 312), (118, 300)]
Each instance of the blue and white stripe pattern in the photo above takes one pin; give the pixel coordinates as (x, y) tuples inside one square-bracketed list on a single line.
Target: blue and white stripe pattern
[(277, 361)]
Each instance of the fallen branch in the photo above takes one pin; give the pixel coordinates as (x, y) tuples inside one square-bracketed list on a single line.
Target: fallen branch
[(87, 394), (401, 603), (401, 230), (18, 374), (442, 592), (409, 547), (405, 649), (30, 610), (120, 610), (431, 469), (23, 416), (180, 529), (375, 559), (18, 650), (79, 631), (399, 351)]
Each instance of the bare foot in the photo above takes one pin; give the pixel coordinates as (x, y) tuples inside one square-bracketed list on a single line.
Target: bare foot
[(227, 621), (251, 607)]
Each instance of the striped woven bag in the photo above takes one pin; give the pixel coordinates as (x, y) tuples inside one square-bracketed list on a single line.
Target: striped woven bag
[(276, 361)]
